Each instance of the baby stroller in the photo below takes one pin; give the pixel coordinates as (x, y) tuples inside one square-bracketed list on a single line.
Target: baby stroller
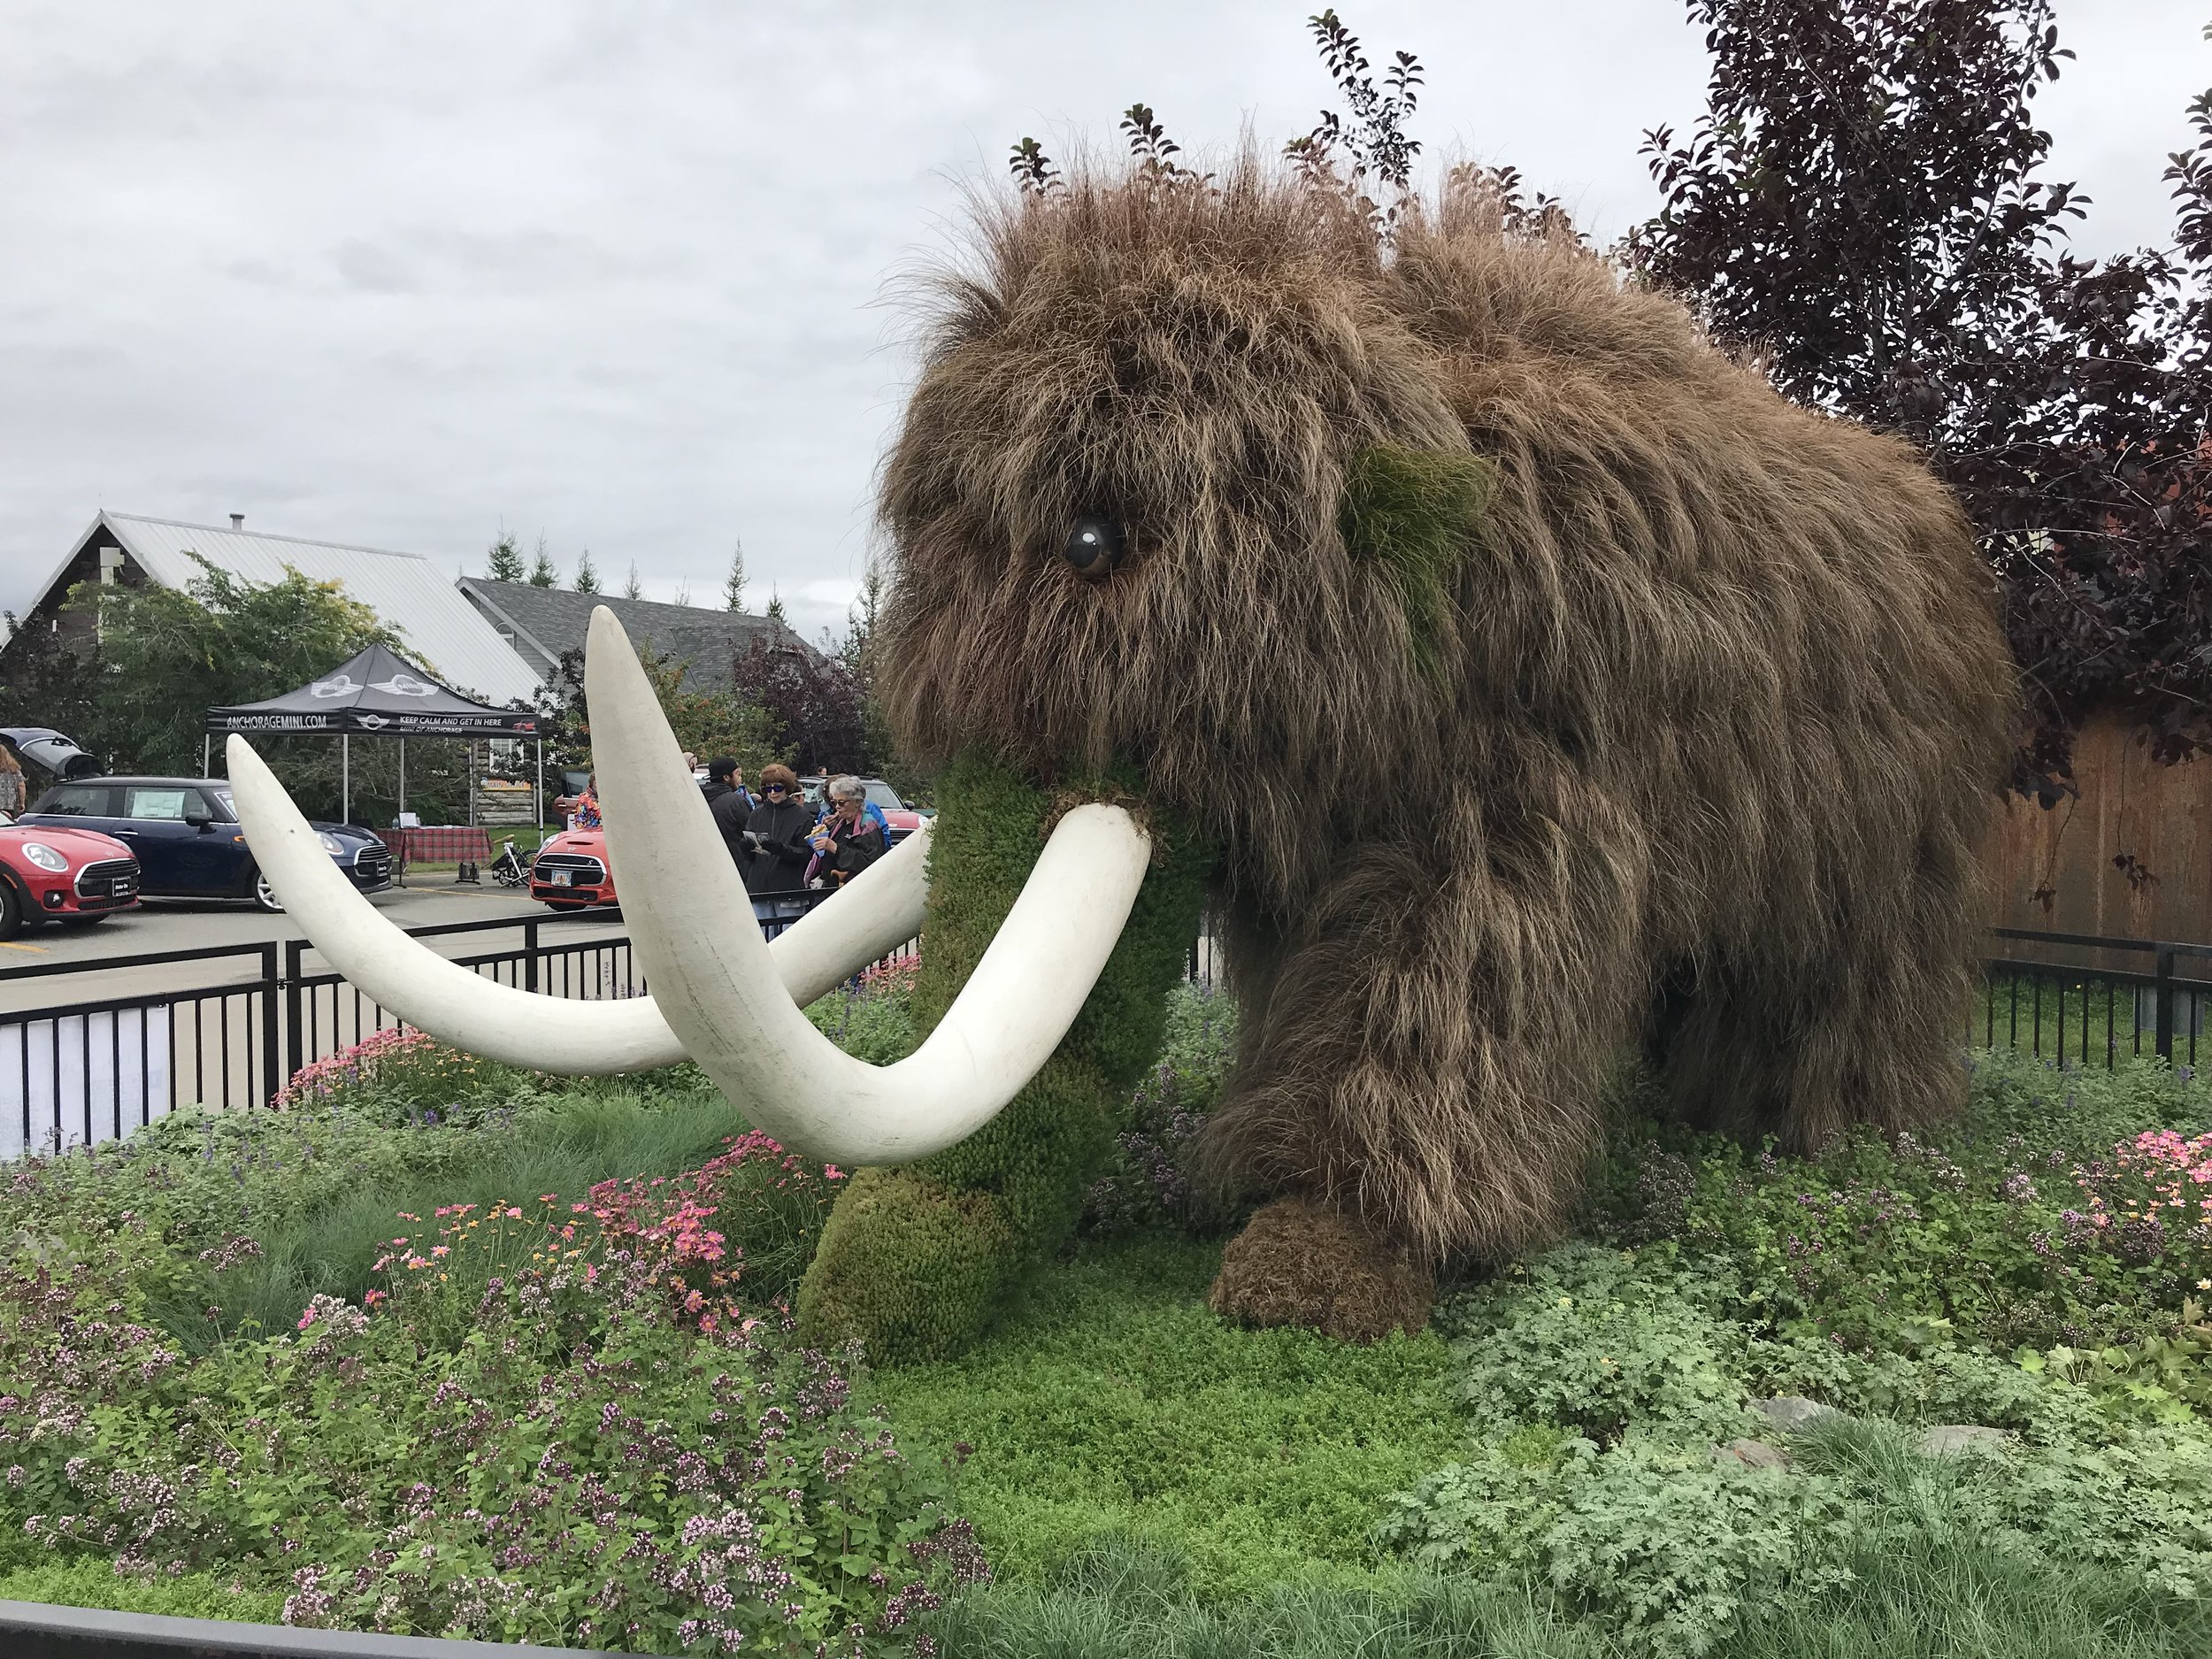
[(508, 869)]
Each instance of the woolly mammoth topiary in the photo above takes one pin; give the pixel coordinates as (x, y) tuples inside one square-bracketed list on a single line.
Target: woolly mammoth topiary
[(1547, 681), (1523, 679)]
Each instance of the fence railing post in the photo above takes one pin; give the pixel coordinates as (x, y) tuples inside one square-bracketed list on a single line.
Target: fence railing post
[(2163, 990), (271, 1033), (530, 955), (294, 1037)]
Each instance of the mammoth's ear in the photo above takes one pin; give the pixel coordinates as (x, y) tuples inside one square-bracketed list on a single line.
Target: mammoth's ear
[(1414, 517)]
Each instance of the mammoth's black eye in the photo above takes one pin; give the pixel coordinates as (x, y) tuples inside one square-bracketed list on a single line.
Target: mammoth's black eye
[(1095, 546)]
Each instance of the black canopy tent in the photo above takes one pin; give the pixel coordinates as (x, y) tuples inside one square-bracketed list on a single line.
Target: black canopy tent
[(378, 693)]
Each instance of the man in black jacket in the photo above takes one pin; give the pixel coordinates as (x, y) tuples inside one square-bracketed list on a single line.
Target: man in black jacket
[(725, 790)]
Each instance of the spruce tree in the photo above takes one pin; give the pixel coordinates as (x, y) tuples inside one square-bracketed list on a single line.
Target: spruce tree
[(734, 589), (503, 563), (774, 612), (542, 571), (630, 588), (586, 573)]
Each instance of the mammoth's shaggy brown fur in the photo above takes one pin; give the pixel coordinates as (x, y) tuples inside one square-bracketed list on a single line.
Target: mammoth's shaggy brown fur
[(1697, 754)]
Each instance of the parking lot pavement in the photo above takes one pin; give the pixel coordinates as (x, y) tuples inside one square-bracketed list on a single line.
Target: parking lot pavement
[(169, 925)]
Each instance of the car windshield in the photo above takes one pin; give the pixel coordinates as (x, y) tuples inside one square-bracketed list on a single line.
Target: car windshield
[(880, 794)]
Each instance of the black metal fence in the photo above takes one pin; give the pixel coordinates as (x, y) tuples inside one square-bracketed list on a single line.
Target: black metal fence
[(94, 1067), (2088, 1009)]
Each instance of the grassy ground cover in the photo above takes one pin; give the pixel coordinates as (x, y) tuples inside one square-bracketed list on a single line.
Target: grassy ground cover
[(2034, 1271), (1111, 1405)]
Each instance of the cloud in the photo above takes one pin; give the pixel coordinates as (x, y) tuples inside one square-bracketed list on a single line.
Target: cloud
[(407, 276), (374, 270)]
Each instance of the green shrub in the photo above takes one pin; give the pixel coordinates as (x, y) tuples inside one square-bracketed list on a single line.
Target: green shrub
[(587, 1461), (1679, 1555), (873, 1018), (402, 1075), (1593, 1340), (1986, 1230), (1660, 1543), (916, 1263)]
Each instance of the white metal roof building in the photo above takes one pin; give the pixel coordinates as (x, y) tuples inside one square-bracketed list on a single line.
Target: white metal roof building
[(440, 629)]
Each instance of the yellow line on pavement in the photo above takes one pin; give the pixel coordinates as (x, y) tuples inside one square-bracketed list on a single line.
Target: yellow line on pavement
[(36, 950)]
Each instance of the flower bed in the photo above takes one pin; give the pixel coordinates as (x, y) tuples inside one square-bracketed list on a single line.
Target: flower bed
[(517, 1364)]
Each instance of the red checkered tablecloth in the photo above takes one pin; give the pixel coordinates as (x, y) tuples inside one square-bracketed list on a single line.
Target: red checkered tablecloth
[(439, 844)]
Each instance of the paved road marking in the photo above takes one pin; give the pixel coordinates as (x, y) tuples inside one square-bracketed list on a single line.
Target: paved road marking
[(36, 950)]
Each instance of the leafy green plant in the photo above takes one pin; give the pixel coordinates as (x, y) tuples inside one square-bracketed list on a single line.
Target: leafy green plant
[(582, 1464), (1147, 1180), (1593, 1341), (1661, 1543)]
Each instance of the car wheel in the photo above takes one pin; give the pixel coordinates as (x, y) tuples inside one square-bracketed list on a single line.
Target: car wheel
[(11, 910), (265, 897)]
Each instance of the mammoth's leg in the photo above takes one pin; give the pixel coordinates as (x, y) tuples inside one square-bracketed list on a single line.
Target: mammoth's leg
[(1423, 1080), (1847, 1011), (915, 1260)]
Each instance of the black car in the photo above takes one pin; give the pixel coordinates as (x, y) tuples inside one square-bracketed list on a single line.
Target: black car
[(185, 833), (41, 746)]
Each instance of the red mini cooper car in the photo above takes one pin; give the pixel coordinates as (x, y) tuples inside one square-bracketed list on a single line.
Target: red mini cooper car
[(72, 876), (571, 871)]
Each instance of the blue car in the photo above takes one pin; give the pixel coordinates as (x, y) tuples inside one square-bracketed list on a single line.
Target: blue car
[(185, 833)]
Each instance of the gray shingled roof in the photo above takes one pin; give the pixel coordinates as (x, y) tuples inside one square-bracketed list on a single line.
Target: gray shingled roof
[(547, 621), (441, 632)]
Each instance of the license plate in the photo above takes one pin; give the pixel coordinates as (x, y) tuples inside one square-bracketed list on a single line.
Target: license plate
[(559, 878), (125, 887)]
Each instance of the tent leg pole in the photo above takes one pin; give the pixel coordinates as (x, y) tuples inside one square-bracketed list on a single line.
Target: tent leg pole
[(345, 777), (207, 753), (537, 798), (403, 776)]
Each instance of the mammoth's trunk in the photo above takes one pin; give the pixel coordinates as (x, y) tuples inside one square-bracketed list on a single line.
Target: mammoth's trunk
[(917, 1258)]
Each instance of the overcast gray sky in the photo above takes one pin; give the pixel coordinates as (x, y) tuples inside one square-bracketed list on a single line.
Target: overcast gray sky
[(404, 274)]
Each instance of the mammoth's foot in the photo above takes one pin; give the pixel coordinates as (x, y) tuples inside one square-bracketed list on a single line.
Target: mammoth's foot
[(1300, 1263)]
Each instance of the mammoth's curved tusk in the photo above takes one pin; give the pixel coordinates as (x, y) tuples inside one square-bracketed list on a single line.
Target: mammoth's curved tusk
[(546, 1034), (715, 984)]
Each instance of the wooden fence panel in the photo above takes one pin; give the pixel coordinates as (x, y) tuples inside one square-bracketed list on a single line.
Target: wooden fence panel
[(2129, 858)]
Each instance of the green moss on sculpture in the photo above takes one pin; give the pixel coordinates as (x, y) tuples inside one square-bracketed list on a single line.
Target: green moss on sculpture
[(915, 1261), (1415, 514)]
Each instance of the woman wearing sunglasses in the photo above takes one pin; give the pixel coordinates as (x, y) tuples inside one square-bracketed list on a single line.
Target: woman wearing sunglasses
[(776, 839)]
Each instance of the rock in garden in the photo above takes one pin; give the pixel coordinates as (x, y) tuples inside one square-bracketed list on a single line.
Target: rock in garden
[(1951, 1439), (1794, 1414), (1752, 1454)]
